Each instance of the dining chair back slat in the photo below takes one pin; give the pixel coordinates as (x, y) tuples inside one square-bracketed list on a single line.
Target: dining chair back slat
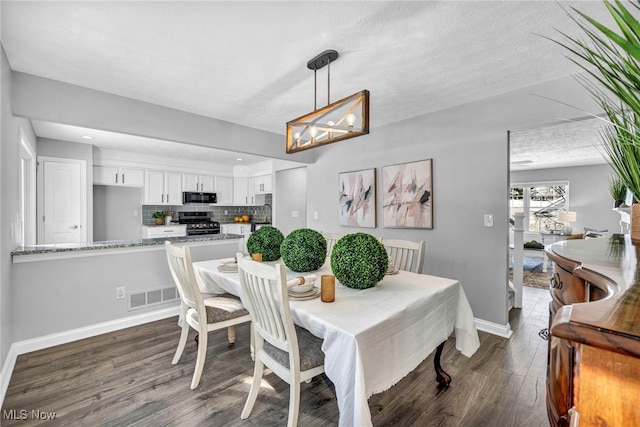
[(331, 239), (276, 339), (405, 255)]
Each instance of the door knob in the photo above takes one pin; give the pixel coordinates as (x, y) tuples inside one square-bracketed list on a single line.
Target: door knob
[(74, 227)]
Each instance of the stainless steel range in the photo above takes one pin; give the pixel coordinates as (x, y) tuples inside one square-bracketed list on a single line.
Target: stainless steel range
[(198, 223)]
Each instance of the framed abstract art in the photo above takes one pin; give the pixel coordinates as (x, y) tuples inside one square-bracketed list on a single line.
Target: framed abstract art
[(357, 198), (407, 198)]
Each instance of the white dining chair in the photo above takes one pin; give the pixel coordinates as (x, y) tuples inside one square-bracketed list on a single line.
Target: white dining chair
[(202, 312), (331, 239), (291, 352), (405, 255)]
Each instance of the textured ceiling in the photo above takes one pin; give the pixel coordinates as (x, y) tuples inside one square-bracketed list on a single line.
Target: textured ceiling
[(562, 144), (245, 62)]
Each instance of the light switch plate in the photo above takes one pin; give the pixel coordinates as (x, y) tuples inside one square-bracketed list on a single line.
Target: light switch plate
[(488, 220), (295, 214)]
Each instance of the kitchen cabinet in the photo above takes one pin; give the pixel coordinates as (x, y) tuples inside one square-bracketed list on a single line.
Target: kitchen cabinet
[(113, 175), (242, 229), (224, 189), (245, 194), (240, 191), (196, 182), (157, 231), (163, 188), (262, 184)]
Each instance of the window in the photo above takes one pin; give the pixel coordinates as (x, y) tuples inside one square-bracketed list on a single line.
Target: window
[(540, 203)]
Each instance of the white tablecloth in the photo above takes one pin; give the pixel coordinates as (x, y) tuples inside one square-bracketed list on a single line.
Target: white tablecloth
[(372, 337)]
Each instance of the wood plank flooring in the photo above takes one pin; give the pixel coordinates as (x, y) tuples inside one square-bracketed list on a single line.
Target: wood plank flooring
[(126, 378)]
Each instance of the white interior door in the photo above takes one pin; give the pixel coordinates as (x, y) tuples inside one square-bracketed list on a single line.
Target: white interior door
[(63, 188)]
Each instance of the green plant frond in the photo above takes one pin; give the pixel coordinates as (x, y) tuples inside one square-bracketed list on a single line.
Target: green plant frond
[(623, 42), (611, 61)]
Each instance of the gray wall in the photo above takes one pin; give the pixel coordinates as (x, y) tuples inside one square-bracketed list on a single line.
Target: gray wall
[(291, 195), (589, 194), (8, 208), (469, 148), (468, 145), (113, 212), (9, 148), (78, 292), (59, 102)]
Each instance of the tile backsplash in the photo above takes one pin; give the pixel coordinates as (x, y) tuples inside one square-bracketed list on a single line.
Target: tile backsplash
[(222, 214)]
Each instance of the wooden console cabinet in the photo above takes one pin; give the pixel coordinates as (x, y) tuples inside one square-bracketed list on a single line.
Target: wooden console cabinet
[(593, 361)]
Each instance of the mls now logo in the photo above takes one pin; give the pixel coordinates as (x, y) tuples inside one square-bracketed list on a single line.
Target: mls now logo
[(23, 414), (14, 414)]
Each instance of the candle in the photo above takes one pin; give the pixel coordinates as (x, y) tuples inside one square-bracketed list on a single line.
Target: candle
[(257, 257), (327, 288)]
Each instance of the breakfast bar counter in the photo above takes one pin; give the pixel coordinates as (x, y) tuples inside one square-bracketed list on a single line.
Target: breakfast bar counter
[(75, 250)]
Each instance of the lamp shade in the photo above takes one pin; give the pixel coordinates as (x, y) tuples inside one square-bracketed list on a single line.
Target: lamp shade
[(567, 216)]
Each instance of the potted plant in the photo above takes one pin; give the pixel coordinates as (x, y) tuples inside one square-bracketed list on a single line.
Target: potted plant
[(304, 250), (159, 216), (359, 260), (618, 190), (611, 60), (267, 241)]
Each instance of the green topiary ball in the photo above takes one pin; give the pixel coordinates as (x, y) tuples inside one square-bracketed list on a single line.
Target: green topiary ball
[(267, 241), (359, 260), (304, 250)]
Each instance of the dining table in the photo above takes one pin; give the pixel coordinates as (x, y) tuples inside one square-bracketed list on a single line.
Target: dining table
[(373, 337)]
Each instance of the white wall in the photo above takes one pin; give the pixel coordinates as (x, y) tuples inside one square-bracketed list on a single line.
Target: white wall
[(589, 194)]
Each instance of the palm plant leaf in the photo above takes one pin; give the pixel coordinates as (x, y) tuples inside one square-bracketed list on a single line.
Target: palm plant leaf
[(611, 60)]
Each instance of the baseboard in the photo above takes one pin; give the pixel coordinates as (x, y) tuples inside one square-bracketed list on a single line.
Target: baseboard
[(503, 331), (5, 374), (47, 341)]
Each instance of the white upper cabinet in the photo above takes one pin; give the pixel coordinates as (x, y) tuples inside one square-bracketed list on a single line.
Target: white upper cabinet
[(196, 182), (240, 191), (112, 175), (163, 188), (224, 190), (262, 184)]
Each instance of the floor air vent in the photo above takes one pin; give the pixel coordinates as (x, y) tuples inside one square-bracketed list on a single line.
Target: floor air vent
[(152, 297)]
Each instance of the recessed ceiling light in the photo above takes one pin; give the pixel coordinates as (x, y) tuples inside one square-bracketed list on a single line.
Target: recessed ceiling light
[(87, 137), (239, 159)]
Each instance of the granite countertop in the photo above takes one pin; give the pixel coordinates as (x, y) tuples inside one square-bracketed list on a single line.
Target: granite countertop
[(113, 244)]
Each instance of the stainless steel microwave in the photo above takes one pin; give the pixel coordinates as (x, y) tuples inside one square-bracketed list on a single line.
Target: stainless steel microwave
[(196, 197)]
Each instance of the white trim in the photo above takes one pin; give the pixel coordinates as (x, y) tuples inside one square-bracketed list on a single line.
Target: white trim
[(7, 370), (47, 341), (503, 331)]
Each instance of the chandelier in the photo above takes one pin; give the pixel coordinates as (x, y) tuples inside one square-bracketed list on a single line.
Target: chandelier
[(343, 119)]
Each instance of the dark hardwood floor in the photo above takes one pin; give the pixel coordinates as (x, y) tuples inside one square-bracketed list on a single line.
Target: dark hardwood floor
[(126, 378)]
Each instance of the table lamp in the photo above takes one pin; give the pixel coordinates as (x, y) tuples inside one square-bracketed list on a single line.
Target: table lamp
[(567, 218)]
